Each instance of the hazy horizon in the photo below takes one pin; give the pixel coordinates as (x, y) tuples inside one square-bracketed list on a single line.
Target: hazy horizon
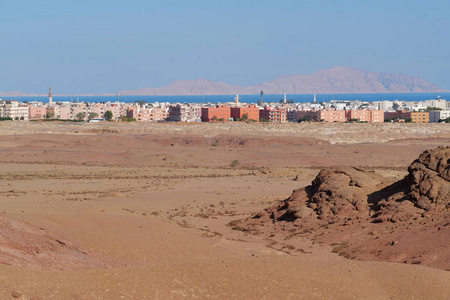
[(105, 46)]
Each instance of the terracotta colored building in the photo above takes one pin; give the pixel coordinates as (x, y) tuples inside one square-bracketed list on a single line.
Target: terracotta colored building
[(343, 115), (377, 116), (374, 116), (273, 114), (332, 115), (251, 111), (211, 114)]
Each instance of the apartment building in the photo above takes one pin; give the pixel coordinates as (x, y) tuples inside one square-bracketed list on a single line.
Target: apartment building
[(312, 115), (116, 108), (139, 114), (275, 115), (398, 114), (251, 111), (188, 112), (291, 115), (218, 112), (159, 114), (12, 109), (420, 117), (37, 112), (64, 112), (415, 116), (436, 115), (438, 102), (363, 115), (383, 105), (148, 114), (332, 115)]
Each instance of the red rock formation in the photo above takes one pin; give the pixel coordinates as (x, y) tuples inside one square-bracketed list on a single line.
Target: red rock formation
[(345, 202), (27, 246)]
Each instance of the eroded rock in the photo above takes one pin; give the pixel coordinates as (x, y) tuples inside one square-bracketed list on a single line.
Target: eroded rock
[(31, 247)]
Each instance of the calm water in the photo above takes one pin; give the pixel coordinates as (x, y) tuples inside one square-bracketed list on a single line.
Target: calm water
[(243, 98)]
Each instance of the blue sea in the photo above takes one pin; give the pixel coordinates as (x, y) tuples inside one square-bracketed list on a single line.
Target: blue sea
[(298, 98)]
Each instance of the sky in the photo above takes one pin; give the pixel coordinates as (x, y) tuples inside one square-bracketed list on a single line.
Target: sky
[(83, 47)]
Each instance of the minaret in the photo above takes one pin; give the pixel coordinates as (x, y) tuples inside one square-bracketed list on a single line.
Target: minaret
[(284, 98), (314, 98), (50, 96)]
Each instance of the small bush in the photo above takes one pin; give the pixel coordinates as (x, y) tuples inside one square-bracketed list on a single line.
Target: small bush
[(234, 163)]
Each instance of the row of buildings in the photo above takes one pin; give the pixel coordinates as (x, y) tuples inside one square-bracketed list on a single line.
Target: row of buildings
[(65, 111), (190, 112), (333, 111)]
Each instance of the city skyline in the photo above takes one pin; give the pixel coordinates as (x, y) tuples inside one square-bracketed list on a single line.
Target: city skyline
[(104, 46)]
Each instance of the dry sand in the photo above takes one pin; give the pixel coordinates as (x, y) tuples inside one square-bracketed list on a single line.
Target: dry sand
[(151, 203)]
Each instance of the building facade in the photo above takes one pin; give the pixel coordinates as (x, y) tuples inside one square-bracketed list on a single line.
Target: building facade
[(420, 117), (188, 112), (436, 115), (275, 115), (218, 113), (251, 111)]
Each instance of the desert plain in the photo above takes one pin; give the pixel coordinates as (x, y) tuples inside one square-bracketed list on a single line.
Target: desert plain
[(146, 211)]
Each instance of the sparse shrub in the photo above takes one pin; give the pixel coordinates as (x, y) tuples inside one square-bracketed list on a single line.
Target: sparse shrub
[(234, 163)]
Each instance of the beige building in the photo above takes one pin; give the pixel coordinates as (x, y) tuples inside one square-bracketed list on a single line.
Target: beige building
[(37, 112)]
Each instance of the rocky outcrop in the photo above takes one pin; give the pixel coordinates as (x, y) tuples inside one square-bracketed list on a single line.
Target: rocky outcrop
[(430, 178), (348, 194), (428, 191), (342, 194), (404, 221)]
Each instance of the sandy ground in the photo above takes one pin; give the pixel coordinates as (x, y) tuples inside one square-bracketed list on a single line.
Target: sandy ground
[(153, 201)]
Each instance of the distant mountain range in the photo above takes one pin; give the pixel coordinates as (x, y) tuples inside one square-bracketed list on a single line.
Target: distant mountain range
[(17, 94), (334, 80)]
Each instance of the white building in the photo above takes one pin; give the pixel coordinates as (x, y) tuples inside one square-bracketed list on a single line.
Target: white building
[(383, 105), (438, 102), (12, 109)]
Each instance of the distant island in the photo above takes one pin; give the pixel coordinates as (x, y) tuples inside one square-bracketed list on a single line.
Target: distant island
[(339, 79), (334, 80), (18, 94)]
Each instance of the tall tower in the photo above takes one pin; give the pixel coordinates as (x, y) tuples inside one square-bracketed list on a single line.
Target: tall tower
[(50, 96)]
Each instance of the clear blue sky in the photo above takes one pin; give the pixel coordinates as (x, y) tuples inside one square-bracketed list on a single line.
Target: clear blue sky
[(100, 46)]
